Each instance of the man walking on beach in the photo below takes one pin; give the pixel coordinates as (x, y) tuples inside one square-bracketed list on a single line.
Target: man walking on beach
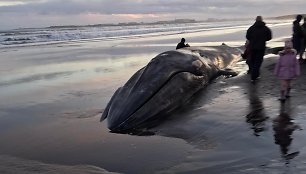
[(258, 34)]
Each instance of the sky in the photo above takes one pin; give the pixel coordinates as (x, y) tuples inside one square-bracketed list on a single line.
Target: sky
[(44, 13)]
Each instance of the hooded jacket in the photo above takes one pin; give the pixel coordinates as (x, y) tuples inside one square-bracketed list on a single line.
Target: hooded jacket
[(287, 66), (258, 34)]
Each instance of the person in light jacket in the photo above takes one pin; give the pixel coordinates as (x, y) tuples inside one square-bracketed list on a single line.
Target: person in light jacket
[(286, 69)]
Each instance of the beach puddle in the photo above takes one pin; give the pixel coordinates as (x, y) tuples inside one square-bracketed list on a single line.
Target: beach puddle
[(13, 165)]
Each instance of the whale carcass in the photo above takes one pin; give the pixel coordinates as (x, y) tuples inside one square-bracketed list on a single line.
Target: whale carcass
[(165, 83)]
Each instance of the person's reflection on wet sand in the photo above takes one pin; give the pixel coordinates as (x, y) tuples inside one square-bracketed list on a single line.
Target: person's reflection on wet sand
[(256, 116), (283, 127)]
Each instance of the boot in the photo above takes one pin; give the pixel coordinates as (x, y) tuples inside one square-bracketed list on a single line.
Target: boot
[(288, 92), (282, 96)]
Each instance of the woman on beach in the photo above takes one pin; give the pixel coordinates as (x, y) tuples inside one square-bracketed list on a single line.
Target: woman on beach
[(286, 69)]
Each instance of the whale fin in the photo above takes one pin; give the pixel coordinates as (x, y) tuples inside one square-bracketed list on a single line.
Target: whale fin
[(105, 112)]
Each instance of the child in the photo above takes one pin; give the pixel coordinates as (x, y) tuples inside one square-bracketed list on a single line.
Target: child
[(247, 55), (286, 69)]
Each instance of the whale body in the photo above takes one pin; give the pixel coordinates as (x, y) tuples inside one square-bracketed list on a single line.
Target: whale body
[(165, 83)]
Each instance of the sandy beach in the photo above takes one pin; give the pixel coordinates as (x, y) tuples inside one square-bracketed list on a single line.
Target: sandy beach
[(52, 97)]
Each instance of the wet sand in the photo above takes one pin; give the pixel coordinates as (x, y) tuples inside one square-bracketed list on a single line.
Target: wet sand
[(52, 97)]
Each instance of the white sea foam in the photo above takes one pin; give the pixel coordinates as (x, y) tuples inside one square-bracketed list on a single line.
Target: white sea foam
[(43, 35)]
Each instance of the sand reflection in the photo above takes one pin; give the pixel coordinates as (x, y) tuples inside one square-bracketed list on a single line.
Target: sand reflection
[(284, 127), (257, 115)]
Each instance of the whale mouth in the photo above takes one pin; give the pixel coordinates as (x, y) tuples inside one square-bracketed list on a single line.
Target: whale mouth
[(136, 119)]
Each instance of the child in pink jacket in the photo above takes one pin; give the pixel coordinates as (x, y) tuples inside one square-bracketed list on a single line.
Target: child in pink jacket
[(286, 69)]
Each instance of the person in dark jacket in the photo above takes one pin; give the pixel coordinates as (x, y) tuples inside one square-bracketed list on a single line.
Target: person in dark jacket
[(182, 44), (297, 36), (258, 34), (247, 54), (304, 39)]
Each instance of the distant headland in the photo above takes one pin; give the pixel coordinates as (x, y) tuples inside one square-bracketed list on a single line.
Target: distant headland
[(175, 21)]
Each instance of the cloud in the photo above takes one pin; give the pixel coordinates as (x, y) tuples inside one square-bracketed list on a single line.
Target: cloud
[(143, 6), (120, 10)]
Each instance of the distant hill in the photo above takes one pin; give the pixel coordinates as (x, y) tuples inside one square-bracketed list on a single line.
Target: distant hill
[(130, 23), (176, 21), (287, 17)]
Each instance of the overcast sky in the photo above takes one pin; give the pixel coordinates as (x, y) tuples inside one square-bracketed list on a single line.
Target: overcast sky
[(41, 13)]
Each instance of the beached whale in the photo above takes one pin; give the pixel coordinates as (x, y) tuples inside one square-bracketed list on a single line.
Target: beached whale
[(169, 80)]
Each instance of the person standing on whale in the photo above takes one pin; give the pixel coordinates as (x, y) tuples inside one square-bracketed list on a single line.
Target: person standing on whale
[(258, 34)]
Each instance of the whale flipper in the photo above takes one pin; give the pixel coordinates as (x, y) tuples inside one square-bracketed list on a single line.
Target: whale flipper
[(228, 73), (106, 110)]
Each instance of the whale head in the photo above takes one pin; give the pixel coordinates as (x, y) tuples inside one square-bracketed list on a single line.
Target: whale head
[(169, 80)]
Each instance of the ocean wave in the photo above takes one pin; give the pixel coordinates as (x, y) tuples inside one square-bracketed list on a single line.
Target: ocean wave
[(40, 35), (55, 34)]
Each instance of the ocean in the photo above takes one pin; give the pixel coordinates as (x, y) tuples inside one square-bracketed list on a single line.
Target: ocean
[(36, 36)]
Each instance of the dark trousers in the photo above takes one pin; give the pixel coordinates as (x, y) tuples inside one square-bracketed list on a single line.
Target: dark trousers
[(255, 63), (297, 44)]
